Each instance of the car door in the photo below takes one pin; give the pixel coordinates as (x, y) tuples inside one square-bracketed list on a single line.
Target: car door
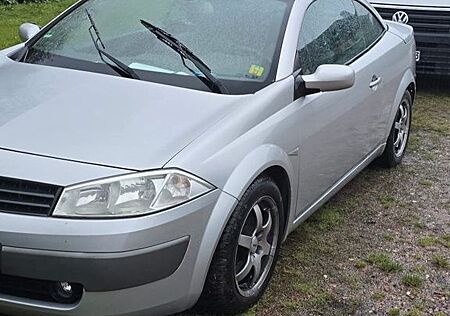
[(335, 127), (382, 70), (388, 62)]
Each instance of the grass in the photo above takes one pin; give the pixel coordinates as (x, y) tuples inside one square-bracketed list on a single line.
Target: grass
[(327, 218), (14, 15), (394, 312), (319, 300), (428, 118), (305, 288), (317, 297), (388, 237), (360, 264), (412, 280), (428, 241), (440, 261), (352, 280), (384, 262), (414, 312), (414, 142), (416, 222), (420, 268), (387, 201), (250, 312), (378, 296), (429, 155), (426, 183), (291, 305), (445, 240)]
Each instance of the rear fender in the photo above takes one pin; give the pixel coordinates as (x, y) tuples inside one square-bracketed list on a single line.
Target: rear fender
[(408, 78)]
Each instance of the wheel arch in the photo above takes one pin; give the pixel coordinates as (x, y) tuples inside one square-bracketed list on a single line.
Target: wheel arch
[(408, 83), (279, 175), (266, 160), (412, 90)]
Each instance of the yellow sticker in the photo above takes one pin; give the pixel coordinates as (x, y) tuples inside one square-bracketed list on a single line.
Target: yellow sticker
[(256, 70)]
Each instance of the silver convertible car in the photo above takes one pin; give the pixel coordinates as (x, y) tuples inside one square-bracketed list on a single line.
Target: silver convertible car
[(154, 155)]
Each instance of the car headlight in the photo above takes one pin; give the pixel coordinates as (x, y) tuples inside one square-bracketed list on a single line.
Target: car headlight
[(130, 195)]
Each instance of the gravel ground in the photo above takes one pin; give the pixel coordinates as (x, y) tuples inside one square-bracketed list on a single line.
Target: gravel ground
[(381, 246)]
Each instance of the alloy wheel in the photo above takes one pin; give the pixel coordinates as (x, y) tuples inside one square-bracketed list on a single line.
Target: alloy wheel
[(401, 126), (258, 242)]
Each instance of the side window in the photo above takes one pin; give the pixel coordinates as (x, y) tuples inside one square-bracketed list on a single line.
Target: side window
[(371, 28), (329, 35)]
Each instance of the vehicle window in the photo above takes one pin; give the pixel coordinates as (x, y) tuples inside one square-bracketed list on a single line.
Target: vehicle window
[(329, 35), (370, 27), (237, 39)]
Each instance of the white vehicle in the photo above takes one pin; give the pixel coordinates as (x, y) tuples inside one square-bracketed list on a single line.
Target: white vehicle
[(431, 22)]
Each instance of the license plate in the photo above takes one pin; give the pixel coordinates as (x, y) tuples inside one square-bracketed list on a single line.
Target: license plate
[(417, 55)]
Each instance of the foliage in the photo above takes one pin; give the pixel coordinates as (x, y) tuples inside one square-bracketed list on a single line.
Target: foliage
[(11, 16), (5, 2)]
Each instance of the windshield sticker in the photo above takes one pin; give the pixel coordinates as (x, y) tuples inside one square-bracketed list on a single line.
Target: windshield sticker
[(256, 70)]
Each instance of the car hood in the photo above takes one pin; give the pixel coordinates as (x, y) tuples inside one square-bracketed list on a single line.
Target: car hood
[(101, 119), (424, 3)]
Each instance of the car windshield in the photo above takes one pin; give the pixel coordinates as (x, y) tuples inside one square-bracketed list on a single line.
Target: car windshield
[(239, 40)]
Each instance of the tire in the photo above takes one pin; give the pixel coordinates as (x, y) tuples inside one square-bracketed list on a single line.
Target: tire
[(394, 152), (228, 288)]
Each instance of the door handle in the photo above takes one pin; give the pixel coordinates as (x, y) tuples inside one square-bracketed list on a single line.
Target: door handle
[(375, 81)]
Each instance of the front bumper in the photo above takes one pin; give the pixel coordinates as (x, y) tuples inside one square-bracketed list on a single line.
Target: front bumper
[(150, 265), (97, 272)]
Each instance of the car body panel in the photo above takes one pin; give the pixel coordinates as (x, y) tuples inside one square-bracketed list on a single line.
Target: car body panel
[(335, 132), (239, 134), (51, 170), (121, 120), (405, 32), (336, 187), (407, 83), (10, 50)]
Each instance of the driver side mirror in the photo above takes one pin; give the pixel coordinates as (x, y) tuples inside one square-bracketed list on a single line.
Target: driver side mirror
[(326, 78), (27, 31)]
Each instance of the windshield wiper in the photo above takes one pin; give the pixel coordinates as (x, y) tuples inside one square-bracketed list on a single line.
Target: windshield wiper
[(185, 53), (118, 66)]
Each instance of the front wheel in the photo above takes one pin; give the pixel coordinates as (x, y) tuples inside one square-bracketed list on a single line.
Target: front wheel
[(243, 262), (399, 135)]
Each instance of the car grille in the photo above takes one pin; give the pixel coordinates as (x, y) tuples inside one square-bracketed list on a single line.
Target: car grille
[(423, 21), (432, 32), (435, 58), (26, 197)]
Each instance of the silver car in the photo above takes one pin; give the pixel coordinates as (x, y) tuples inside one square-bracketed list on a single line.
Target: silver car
[(154, 155)]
